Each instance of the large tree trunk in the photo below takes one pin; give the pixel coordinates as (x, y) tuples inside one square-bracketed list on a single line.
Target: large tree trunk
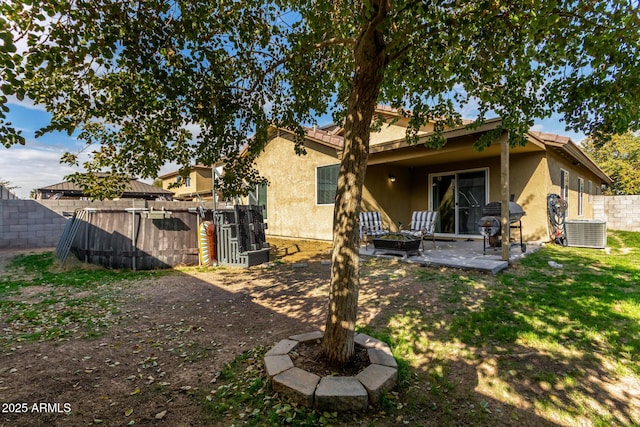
[(338, 345)]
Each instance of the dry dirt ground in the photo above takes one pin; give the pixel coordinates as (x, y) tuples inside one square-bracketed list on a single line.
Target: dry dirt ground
[(171, 337)]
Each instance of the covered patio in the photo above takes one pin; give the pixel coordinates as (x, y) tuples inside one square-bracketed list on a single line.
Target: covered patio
[(463, 254)]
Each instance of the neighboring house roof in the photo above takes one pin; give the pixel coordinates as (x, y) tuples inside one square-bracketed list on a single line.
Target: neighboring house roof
[(135, 188)]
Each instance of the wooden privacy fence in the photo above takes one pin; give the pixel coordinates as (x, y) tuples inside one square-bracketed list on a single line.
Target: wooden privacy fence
[(137, 238)]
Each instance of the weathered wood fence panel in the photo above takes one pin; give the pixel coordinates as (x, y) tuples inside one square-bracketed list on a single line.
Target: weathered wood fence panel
[(129, 239)]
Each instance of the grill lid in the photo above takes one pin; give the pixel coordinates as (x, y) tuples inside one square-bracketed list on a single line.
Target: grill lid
[(495, 209)]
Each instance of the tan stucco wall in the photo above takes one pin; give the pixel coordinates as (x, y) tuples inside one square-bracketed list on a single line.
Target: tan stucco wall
[(391, 199), (395, 131), (292, 209), (529, 182), (200, 184), (291, 194), (202, 179), (556, 163)]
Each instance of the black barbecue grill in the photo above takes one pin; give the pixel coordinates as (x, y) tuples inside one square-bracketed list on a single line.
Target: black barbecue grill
[(490, 225)]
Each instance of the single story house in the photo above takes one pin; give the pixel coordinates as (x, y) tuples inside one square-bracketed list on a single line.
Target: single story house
[(456, 180), (134, 190)]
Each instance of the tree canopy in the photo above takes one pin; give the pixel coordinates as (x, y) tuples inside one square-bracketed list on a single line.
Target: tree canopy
[(166, 80), (7, 184), (146, 82), (620, 159)]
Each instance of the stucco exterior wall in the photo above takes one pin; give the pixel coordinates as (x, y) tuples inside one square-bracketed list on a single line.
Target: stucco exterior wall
[(202, 179), (291, 193), (555, 164), (529, 185), (200, 184), (391, 198), (394, 131), (532, 176), (534, 173)]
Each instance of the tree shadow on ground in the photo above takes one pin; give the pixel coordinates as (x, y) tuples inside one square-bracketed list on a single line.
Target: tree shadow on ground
[(161, 347), (532, 346)]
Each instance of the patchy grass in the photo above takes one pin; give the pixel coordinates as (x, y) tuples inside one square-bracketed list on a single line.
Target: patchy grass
[(244, 397), (41, 301), (534, 345)]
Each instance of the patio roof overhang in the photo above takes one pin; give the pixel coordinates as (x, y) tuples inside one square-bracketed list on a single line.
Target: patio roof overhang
[(458, 147)]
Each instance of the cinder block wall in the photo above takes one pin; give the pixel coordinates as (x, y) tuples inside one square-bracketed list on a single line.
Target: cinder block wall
[(620, 212), (26, 224), (29, 224)]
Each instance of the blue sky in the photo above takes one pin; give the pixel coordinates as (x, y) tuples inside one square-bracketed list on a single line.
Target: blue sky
[(37, 164)]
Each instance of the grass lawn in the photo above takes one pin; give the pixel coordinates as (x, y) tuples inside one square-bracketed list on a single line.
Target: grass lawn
[(534, 345)]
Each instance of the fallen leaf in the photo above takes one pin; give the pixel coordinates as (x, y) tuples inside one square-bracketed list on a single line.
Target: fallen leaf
[(160, 415), (128, 412)]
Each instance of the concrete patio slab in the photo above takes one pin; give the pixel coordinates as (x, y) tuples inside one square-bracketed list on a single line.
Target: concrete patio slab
[(464, 254)]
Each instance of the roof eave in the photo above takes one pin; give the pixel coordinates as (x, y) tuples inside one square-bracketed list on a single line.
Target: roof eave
[(567, 146)]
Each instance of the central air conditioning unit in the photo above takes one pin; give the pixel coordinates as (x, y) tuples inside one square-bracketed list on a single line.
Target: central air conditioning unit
[(586, 233)]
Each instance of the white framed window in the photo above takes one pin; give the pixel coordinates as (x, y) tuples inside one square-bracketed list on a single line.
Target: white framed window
[(261, 193), (564, 185), (590, 191), (580, 197), (326, 184)]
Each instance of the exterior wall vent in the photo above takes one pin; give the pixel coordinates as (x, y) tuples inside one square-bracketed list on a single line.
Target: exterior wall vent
[(586, 233)]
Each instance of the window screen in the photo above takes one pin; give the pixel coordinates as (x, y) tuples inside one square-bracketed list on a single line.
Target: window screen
[(326, 183)]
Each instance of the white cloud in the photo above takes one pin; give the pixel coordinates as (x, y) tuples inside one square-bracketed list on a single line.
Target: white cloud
[(26, 103), (36, 166), (32, 167)]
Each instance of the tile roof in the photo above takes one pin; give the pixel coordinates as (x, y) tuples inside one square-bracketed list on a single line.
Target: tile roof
[(134, 187), (321, 135), (551, 137)]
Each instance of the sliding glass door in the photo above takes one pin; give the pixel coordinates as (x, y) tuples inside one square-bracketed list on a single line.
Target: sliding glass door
[(459, 197)]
